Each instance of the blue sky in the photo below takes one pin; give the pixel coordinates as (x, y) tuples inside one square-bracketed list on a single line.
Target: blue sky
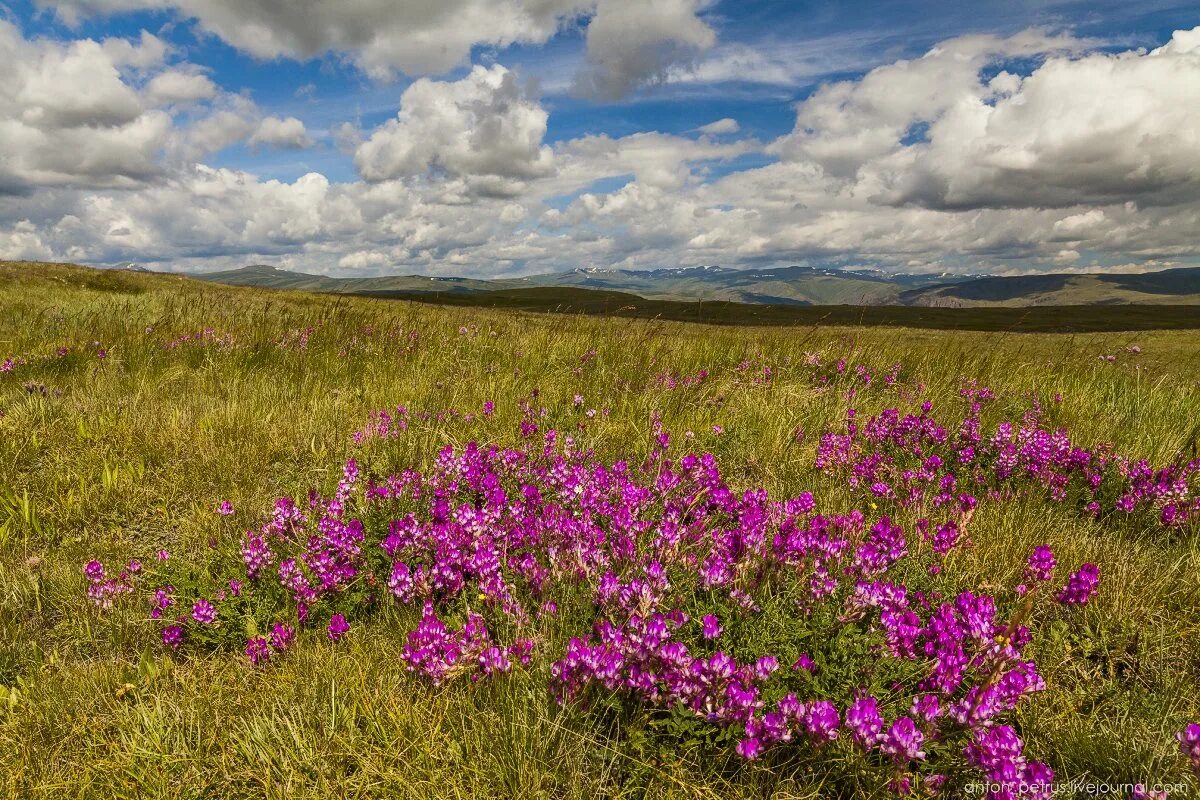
[(678, 67)]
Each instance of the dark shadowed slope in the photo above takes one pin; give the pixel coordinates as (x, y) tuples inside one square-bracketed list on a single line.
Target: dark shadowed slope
[(1044, 319), (781, 286)]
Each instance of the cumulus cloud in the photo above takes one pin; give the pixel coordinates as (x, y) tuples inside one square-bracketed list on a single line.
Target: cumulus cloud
[(21, 242), (67, 116), (945, 132), (847, 124), (285, 134), (1104, 128), (380, 36), (483, 127), (1075, 155), (630, 43), (232, 119), (654, 159), (90, 114), (633, 43), (179, 86)]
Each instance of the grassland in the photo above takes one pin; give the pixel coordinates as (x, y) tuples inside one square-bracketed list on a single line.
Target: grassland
[(1032, 319), (124, 455)]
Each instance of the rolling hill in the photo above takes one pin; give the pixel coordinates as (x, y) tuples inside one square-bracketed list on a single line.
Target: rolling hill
[(795, 285)]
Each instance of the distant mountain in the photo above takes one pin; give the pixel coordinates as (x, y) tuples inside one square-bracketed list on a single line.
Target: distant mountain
[(793, 285), (1167, 287), (785, 285), (273, 278)]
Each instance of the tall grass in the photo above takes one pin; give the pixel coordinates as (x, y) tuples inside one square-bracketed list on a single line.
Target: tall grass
[(130, 453)]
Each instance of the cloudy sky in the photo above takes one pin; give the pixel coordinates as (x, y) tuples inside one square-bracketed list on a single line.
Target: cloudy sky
[(508, 137)]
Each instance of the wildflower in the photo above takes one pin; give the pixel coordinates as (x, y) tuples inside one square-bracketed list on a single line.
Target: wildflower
[(712, 626), (494, 659), (281, 636), (804, 662), (903, 742), (1041, 564), (821, 720), (225, 508), (337, 627), (256, 650), (864, 721), (256, 554), (1189, 744), (204, 612), (1080, 586), (749, 748), (172, 636)]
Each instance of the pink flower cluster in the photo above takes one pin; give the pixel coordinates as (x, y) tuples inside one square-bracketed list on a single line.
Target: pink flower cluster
[(656, 569)]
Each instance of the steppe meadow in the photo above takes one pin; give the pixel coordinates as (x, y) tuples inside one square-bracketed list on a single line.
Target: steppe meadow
[(260, 543)]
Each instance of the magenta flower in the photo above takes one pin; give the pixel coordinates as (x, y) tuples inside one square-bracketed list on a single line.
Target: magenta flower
[(749, 748), (338, 627), (864, 721), (804, 662), (172, 636), (1041, 564), (204, 612), (711, 626), (903, 741), (257, 650), (1189, 744), (225, 509), (821, 720), (1080, 586), (281, 636)]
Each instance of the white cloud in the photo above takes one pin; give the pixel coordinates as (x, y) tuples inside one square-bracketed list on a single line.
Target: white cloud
[(285, 134), (21, 242), (1103, 128), (67, 116), (632, 43), (721, 126), (482, 128), (346, 137), (231, 120), (102, 114), (179, 86), (847, 124), (654, 159), (943, 162), (379, 35)]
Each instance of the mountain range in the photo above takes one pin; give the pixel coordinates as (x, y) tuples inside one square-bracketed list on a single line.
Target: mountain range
[(795, 285)]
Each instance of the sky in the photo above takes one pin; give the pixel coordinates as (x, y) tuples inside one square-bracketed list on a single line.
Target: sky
[(497, 138)]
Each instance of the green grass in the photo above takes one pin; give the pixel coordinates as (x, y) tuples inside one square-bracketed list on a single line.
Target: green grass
[(118, 457)]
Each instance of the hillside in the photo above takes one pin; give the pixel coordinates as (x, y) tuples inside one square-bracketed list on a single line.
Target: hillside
[(269, 277), (1175, 286), (779, 286), (278, 543)]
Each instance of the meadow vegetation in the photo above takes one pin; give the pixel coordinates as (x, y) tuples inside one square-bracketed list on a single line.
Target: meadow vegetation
[(574, 641)]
